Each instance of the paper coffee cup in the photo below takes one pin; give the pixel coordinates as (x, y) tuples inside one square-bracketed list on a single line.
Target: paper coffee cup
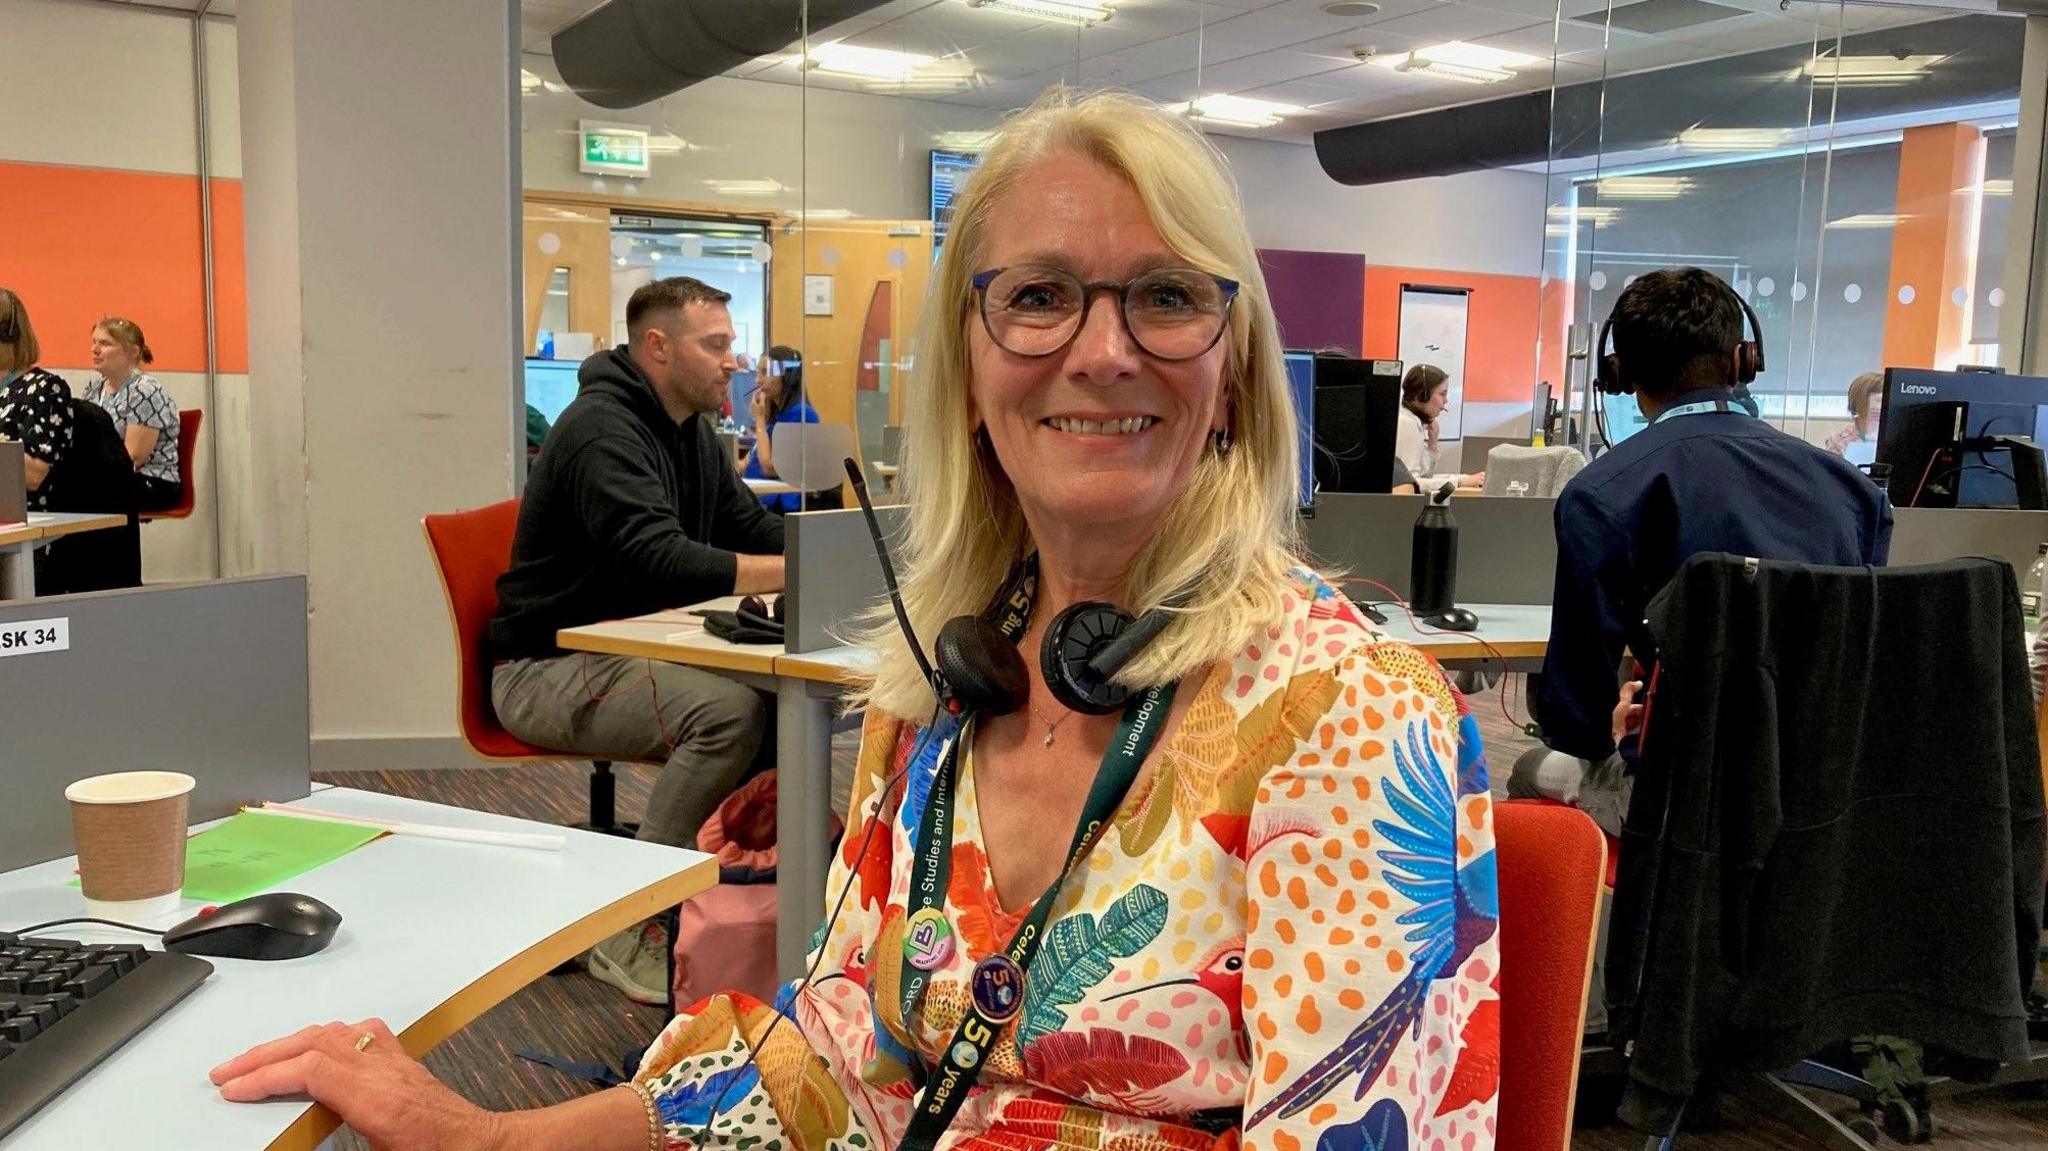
[(130, 827)]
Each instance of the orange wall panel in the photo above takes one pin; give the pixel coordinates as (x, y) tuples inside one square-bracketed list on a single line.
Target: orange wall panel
[(78, 243), (1500, 349), (1934, 246)]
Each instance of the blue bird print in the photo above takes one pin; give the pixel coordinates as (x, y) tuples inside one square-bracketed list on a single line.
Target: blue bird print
[(1456, 910)]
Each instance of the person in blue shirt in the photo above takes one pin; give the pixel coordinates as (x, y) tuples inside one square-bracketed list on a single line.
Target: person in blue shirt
[(778, 400), (1704, 476)]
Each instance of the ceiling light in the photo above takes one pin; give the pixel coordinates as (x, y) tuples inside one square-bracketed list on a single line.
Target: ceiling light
[(823, 213), (943, 77), (1236, 111), (531, 82), (1086, 13), (1873, 71), (1734, 139), (668, 144), (966, 141), (1562, 220), (1459, 61), (843, 59), (746, 187), (1644, 187), (1350, 9), (1868, 221), (1996, 188)]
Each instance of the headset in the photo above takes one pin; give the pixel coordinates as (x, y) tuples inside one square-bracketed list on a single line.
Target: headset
[(1749, 354), (980, 671), (10, 324)]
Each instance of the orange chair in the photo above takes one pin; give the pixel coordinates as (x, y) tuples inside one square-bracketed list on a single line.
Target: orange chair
[(188, 442), (471, 550), (1551, 860)]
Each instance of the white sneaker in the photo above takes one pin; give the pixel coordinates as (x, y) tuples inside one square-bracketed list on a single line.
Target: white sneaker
[(636, 962)]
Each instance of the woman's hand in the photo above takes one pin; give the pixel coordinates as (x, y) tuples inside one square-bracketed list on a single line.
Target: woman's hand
[(1472, 480), (1429, 431), (757, 406), (1628, 714), (385, 1094)]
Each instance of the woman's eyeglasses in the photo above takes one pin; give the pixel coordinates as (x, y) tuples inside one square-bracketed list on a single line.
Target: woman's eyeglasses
[(1172, 313)]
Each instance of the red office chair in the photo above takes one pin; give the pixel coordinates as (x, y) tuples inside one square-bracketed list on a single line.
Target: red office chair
[(1551, 860), (188, 442), (471, 550)]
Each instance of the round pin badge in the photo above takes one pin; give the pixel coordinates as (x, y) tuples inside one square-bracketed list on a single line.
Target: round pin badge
[(998, 988), (966, 1054), (928, 940)]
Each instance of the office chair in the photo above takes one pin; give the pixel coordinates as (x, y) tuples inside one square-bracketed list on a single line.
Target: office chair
[(471, 550), (188, 442), (810, 458), (1512, 469), (1551, 862)]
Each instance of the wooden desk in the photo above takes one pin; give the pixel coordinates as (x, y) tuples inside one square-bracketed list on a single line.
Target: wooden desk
[(434, 933), (19, 541), (809, 687)]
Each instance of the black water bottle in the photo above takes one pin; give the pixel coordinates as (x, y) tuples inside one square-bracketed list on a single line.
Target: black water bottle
[(1433, 570)]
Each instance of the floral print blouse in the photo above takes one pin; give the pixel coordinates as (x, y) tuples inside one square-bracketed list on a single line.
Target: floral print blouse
[(1285, 939), (35, 409)]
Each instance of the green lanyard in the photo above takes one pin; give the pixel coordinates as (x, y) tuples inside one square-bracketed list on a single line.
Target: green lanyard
[(997, 984)]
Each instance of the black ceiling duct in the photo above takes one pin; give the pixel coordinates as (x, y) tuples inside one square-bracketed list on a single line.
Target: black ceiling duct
[(633, 52), (1761, 90)]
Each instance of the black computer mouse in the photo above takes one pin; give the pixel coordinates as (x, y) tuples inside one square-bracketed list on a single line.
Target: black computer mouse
[(274, 925), (1453, 619)]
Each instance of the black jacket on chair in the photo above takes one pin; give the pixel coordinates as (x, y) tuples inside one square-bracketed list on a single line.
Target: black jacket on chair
[(95, 475), (1837, 823)]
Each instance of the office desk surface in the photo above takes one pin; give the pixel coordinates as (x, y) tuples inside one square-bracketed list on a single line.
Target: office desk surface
[(767, 487), (54, 524), (674, 636), (433, 934)]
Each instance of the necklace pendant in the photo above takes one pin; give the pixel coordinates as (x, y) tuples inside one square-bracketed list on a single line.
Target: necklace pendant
[(1048, 737)]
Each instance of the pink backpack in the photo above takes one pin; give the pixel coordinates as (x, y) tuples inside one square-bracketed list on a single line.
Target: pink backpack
[(725, 938)]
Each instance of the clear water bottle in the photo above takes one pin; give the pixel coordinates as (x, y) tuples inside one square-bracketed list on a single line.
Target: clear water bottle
[(2031, 588)]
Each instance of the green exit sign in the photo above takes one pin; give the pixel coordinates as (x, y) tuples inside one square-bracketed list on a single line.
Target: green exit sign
[(612, 149)]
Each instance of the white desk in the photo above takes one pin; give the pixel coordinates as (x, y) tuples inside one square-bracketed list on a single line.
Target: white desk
[(433, 934), (808, 689), (19, 541), (763, 487)]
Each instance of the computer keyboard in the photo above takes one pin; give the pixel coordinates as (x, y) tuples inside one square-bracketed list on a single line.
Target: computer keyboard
[(66, 1005)]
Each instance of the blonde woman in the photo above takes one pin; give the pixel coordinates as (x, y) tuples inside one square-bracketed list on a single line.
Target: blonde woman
[(1866, 410), (142, 411), (1283, 931)]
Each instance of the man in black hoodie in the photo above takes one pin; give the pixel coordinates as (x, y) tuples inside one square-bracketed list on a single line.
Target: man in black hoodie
[(632, 507)]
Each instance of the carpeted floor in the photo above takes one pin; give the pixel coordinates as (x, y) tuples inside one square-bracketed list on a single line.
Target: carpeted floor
[(573, 1016)]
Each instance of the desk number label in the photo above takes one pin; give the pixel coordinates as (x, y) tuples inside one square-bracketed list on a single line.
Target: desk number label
[(34, 637)]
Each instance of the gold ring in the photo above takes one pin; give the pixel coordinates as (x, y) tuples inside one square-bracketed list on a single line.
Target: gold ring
[(364, 1040)]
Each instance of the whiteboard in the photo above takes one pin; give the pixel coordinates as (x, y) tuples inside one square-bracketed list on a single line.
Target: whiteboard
[(1433, 322)]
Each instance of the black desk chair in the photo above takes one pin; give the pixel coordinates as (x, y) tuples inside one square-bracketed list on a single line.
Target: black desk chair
[(1836, 832)]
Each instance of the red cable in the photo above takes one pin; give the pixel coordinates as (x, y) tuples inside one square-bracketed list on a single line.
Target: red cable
[(1421, 630), (1924, 473)]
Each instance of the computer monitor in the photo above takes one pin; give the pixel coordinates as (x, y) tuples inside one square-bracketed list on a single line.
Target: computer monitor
[(740, 389), (1936, 436), (1622, 416), (1357, 412), (949, 174), (1301, 384), (550, 385)]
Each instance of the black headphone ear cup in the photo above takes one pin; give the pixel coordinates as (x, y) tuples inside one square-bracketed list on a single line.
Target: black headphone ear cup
[(754, 605), (780, 610), (1075, 637), (1748, 360), (982, 669)]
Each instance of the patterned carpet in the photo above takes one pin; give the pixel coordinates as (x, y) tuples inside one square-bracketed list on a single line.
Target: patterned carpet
[(573, 1016)]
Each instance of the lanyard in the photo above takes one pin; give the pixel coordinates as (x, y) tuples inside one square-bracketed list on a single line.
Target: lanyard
[(1699, 408), (997, 984)]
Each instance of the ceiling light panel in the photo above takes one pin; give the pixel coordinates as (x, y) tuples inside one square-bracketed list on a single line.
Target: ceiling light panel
[(1076, 12)]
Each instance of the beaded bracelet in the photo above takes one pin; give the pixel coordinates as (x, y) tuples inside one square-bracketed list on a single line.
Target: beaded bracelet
[(655, 1142)]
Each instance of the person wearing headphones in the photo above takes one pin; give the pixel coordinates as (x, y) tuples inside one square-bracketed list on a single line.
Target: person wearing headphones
[(1252, 904), (1425, 392), (778, 400), (35, 404)]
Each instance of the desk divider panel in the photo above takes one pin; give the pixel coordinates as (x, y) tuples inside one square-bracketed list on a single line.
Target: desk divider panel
[(1507, 546), (207, 678), (1930, 535), (833, 575)]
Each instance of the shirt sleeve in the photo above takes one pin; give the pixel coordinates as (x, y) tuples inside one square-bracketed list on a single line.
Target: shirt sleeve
[(41, 417), (623, 504), (152, 408), (1587, 632), (1370, 991)]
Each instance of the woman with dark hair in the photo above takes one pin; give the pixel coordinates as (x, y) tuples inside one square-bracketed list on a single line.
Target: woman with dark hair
[(778, 400), (35, 405), (1425, 391)]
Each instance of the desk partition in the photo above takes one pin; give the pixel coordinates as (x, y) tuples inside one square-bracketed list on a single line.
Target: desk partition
[(1930, 535), (209, 679), (832, 573), (1507, 546)]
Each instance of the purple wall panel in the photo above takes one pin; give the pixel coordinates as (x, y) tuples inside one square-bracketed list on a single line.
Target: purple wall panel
[(1319, 297)]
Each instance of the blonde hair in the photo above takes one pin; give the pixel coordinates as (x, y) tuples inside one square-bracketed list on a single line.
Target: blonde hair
[(20, 351), (128, 334), (1228, 538), (1860, 390)]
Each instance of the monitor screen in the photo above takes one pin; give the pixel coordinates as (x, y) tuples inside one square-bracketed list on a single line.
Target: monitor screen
[(949, 173), (1301, 384), (740, 390), (1623, 417), (550, 385), (1926, 411)]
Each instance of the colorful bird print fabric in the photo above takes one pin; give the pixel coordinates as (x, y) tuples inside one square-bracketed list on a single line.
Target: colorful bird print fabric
[(1285, 939)]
